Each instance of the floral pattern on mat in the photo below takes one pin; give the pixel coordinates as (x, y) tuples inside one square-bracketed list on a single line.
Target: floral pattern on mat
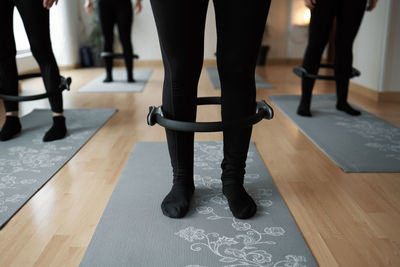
[(249, 246)]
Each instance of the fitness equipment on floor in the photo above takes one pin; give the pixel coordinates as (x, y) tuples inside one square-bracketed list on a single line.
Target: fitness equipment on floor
[(64, 85), (302, 72), (156, 115)]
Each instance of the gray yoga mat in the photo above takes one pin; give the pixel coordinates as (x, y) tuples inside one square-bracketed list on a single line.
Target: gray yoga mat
[(214, 77), (364, 143), (134, 232), (119, 85), (27, 163)]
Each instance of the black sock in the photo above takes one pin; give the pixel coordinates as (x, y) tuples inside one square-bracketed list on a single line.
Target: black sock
[(131, 79), (240, 203), (57, 131), (108, 62), (348, 109), (176, 203), (306, 94), (11, 127), (108, 79), (304, 109)]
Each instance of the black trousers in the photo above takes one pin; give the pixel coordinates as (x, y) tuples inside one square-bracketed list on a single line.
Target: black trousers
[(120, 13), (36, 22), (240, 26), (348, 15)]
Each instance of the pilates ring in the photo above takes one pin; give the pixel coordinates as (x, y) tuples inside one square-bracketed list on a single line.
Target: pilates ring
[(302, 72), (116, 55), (156, 115), (64, 85)]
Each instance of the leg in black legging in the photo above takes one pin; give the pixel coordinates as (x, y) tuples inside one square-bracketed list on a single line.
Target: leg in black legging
[(349, 17), (124, 18), (180, 25), (8, 70), (238, 45), (321, 22), (36, 22), (8, 67), (107, 21)]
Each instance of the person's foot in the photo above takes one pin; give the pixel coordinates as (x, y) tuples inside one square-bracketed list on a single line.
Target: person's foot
[(108, 80), (176, 203), (240, 202), (348, 109), (11, 128), (131, 80), (57, 131), (304, 111)]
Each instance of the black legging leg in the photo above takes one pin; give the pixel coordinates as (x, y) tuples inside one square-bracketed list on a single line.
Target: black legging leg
[(107, 21), (349, 20), (124, 20), (180, 25), (321, 22), (36, 22), (8, 67), (236, 59)]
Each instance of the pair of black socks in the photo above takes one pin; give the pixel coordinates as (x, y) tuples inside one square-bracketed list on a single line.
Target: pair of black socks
[(12, 127), (129, 66), (342, 89), (304, 108), (176, 203)]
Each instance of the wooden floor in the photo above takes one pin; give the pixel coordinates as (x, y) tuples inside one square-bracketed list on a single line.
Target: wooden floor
[(347, 219)]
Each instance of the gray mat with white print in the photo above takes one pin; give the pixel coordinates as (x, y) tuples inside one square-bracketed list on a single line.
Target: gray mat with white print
[(363, 143), (134, 232), (26, 163)]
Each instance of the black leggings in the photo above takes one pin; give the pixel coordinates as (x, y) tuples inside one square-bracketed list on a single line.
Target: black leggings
[(36, 22), (118, 12), (240, 26), (348, 15)]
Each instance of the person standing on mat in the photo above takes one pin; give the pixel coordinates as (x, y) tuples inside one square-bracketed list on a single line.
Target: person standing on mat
[(180, 25), (118, 12), (348, 15), (35, 16)]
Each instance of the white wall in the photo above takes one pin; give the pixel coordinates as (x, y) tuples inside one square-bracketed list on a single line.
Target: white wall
[(64, 27), (370, 46), (391, 77)]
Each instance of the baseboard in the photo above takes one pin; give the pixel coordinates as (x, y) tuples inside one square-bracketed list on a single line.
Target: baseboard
[(374, 95), (284, 61), (389, 97)]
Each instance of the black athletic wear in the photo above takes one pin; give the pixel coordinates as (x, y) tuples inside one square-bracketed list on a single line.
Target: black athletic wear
[(36, 22), (118, 12), (57, 131), (348, 15), (11, 127), (240, 26)]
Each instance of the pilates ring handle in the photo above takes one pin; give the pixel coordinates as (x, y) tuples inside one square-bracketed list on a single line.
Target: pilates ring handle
[(65, 84), (156, 115), (116, 55), (302, 72)]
